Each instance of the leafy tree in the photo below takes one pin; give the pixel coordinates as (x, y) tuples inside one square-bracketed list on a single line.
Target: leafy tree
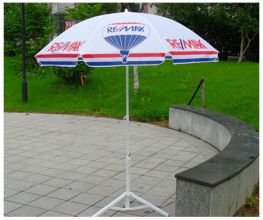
[(200, 18), (220, 24), (81, 12), (244, 18), (133, 7), (38, 27), (12, 27), (87, 10)]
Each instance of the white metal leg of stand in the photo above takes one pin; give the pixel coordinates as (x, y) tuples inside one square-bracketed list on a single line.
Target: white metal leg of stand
[(127, 195)]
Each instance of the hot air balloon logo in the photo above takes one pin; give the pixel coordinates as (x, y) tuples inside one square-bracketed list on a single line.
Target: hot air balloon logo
[(125, 36)]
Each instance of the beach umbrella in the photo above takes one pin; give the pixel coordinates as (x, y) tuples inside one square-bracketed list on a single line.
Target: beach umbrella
[(126, 39)]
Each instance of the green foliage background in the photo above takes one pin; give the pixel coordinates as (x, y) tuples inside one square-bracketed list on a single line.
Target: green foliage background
[(231, 88), (38, 27), (221, 24)]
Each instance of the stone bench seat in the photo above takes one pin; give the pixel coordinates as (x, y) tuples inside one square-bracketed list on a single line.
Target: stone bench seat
[(220, 185)]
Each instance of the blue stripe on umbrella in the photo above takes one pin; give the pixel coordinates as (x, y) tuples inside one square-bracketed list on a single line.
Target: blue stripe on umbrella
[(62, 63), (193, 60), (145, 62), (122, 64)]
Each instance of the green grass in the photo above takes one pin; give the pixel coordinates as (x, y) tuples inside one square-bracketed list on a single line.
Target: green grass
[(231, 88)]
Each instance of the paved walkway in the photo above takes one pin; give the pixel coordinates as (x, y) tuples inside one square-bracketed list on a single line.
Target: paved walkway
[(64, 165)]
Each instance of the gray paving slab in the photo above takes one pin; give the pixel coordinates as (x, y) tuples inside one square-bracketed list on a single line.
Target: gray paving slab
[(139, 213), (41, 189), (46, 202), (112, 182), (103, 190), (140, 187), (19, 175), (87, 198), (79, 186), (33, 169), (10, 206), (124, 214), (71, 175), (65, 165), (18, 185), (115, 167), (147, 180), (145, 164), (68, 166), (9, 192), (157, 173), (105, 201), (26, 211), (169, 206), (37, 178), (71, 208), (93, 209), (57, 182), (121, 176), (23, 197), (64, 194), (53, 214), (53, 172), (138, 170), (160, 191), (89, 212), (168, 168), (106, 173), (93, 179)]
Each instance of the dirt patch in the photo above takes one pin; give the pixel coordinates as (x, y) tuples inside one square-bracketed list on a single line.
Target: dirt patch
[(251, 208), (160, 123)]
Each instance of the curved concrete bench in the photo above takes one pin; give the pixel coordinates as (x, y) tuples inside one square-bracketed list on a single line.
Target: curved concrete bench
[(220, 185)]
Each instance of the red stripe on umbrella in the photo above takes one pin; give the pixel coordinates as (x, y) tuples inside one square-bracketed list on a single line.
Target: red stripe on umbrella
[(193, 52)]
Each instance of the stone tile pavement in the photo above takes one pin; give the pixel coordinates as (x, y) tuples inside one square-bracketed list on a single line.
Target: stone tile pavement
[(65, 165)]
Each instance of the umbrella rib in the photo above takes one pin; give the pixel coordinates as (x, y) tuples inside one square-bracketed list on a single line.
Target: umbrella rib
[(125, 41), (113, 42), (129, 41), (109, 39), (139, 40), (134, 41), (117, 42), (93, 33), (119, 36), (157, 35)]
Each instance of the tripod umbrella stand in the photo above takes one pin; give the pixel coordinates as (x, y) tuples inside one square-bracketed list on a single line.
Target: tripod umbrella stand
[(126, 39)]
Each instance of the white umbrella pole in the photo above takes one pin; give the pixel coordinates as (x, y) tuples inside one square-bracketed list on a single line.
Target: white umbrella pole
[(127, 195), (127, 134)]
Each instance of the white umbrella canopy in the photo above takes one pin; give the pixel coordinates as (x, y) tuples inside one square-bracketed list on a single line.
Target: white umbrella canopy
[(126, 39)]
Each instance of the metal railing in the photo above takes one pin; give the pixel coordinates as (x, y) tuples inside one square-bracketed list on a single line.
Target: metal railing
[(201, 83)]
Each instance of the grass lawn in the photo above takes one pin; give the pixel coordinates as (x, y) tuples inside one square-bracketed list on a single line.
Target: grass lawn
[(231, 88)]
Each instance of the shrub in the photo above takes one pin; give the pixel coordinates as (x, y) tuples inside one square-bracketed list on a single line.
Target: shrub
[(251, 201), (73, 75)]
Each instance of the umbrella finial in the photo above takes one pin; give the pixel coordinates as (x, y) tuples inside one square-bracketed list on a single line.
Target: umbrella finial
[(126, 10)]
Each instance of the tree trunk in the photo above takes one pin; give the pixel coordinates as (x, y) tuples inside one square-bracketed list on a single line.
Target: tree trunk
[(242, 44), (135, 79), (135, 68), (118, 7)]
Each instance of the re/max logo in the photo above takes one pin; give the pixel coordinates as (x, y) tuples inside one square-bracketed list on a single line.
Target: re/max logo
[(68, 46), (114, 29), (186, 44)]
